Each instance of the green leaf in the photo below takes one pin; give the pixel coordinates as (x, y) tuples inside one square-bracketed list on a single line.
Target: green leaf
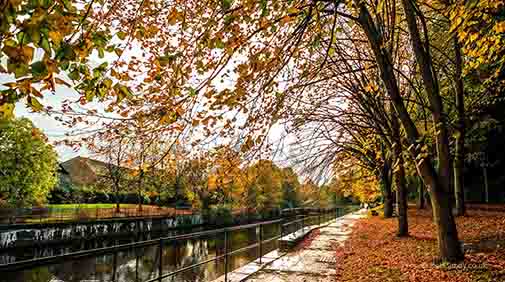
[(89, 95), (121, 35), (226, 4), (74, 75), (66, 52), (192, 92), (20, 70), (102, 66), (67, 4), (122, 91), (64, 65), (7, 111), (22, 38), (219, 43), (35, 104), (264, 7), (44, 44), (39, 69), (101, 53), (35, 35), (331, 51)]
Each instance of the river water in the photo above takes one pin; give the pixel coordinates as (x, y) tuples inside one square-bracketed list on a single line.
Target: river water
[(138, 265)]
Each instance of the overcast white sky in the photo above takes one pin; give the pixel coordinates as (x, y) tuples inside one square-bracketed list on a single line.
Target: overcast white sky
[(55, 130), (51, 127)]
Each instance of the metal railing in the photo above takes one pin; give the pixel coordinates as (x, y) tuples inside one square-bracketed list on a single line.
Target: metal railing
[(286, 228), (287, 225), (42, 215), (305, 221)]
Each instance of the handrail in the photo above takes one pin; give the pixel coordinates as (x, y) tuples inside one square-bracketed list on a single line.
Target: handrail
[(324, 216), (226, 254), (79, 254)]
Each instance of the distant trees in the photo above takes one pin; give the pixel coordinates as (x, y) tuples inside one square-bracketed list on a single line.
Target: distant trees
[(114, 177), (28, 164), (290, 188), (218, 178)]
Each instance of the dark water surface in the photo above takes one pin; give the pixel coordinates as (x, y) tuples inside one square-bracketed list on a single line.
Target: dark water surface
[(141, 264)]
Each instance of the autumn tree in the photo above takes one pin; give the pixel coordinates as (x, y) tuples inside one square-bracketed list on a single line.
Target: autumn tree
[(233, 69), (225, 179), (290, 188), (195, 173), (264, 185), (436, 180), (114, 151), (480, 44), (354, 181), (161, 179), (45, 44)]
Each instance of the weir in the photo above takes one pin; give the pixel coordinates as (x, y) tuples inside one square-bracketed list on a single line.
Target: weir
[(31, 235)]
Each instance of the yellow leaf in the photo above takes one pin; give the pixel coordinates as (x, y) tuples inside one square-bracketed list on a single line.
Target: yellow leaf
[(293, 10), (55, 36), (7, 111), (500, 27)]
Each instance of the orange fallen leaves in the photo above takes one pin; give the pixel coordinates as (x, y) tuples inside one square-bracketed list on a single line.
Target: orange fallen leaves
[(307, 240), (375, 253)]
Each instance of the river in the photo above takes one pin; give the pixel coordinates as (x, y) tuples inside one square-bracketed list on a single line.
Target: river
[(138, 265)]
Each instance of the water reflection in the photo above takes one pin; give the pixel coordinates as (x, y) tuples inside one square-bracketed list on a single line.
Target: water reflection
[(141, 264)]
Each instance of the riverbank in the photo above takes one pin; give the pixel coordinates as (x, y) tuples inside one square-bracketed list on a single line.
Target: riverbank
[(374, 252)]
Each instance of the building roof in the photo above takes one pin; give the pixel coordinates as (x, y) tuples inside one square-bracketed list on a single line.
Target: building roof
[(83, 170)]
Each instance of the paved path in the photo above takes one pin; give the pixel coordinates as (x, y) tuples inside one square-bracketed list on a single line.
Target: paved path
[(315, 262)]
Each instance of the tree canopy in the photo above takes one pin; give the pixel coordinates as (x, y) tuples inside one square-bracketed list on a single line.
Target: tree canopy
[(368, 94), (28, 164)]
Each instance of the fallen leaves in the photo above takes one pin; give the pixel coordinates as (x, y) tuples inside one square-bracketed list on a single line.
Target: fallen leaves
[(374, 253)]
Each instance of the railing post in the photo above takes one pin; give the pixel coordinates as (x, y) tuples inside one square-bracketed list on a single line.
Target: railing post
[(261, 241), (114, 268), (136, 266), (160, 265), (225, 256)]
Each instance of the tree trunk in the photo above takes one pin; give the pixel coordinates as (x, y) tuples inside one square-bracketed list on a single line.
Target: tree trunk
[(437, 184), (116, 185), (141, 176), (459, 154), (421, 203), (387, 193), (486, 185), (117, 204), (447, 234), (399, 175), (448, 241)]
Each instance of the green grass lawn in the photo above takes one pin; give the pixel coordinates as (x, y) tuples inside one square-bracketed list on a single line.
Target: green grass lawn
[(65, 212), (88, 206)]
